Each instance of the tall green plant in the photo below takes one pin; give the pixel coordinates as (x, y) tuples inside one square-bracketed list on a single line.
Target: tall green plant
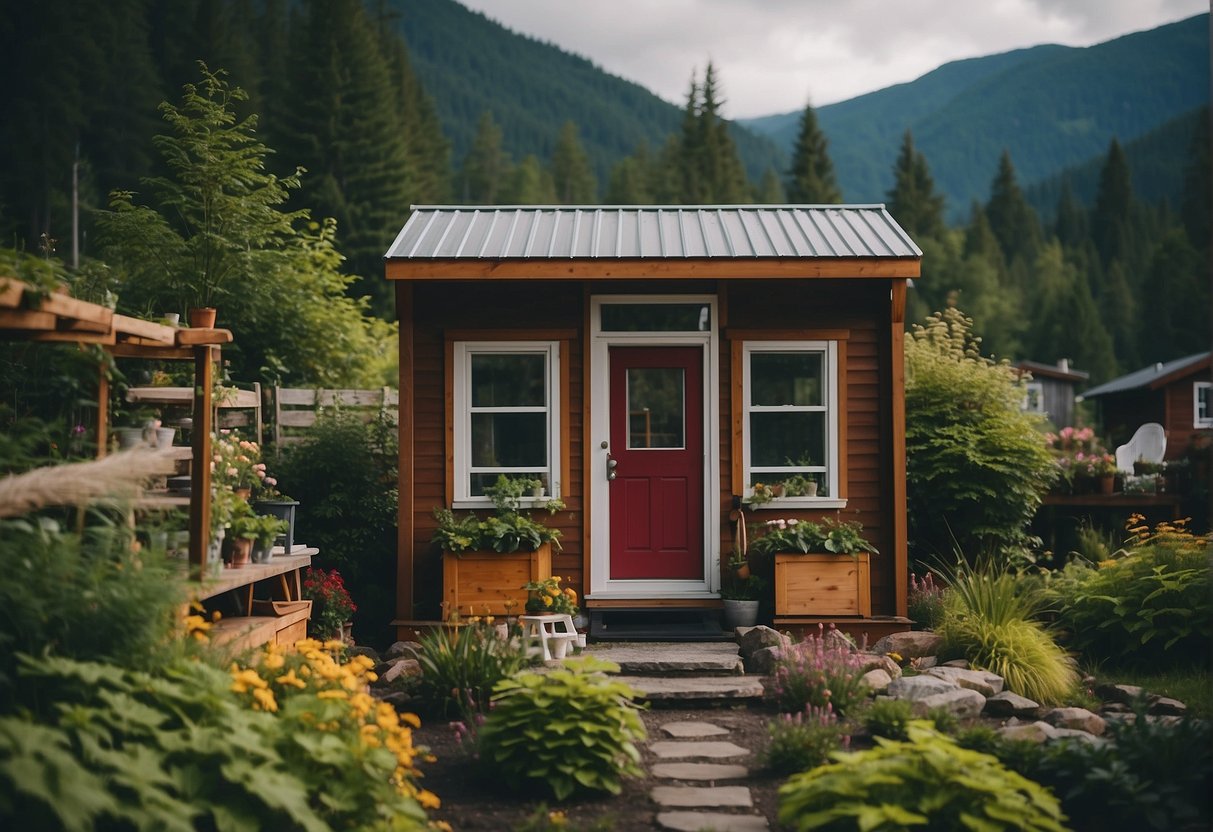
[(461, 666), (976, 465)]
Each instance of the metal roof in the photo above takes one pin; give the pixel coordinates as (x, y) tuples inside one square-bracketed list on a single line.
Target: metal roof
[(659, 232), (1146, 376)]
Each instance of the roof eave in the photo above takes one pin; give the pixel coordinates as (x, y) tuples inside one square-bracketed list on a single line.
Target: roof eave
[(598, 268)]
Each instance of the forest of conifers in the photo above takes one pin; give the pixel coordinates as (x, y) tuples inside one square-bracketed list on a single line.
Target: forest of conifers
[(1111, 286)]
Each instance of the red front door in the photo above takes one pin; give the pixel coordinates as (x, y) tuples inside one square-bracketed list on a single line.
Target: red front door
[(656, 445)]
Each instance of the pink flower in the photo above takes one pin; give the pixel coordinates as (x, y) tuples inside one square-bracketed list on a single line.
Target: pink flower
[(271, 481), (231, 472)]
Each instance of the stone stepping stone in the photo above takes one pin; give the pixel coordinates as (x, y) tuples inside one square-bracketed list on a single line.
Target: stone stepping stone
[(661, 658), (693, 730), (699, 771), (710, 822), (694, 688), (702, 797), (712, 750)]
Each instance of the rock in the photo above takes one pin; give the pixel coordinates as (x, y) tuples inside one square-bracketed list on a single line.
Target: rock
[(982, 681), (872, 661), (924, 662), (398, 699), (700, 771), (739, 632), (694, 688), (757, 638), (1075, 734), (692, 730), (1008, 703), (960, 702), (1078, 719), (399, 670), (360, 650), (910, 644), (1109, 708), (1036, 732), (1119, 693), (763, 661), (919, 687), (840, 641), (877, 680), (403, 650), (710, 822), (696, 797), (1165, 706), (962, 663), (710, 750)]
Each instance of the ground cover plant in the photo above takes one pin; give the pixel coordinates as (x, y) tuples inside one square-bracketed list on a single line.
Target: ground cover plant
[(927, 780), (571, 730), (803, 740), (820, 671)]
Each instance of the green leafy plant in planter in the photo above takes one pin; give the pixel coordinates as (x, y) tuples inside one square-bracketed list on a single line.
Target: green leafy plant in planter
[(508, 530), (805, 536), (744, 589), (574, 729)]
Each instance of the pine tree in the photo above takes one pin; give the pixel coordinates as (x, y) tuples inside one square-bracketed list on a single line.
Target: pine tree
[(811, 176), (1064, 320), (707, 158), (571, 174), (979, 238), (629, 182), (1111, 216), (486, 165), (528, 184), (770, 189), (1197, 201), (1011, 218), (1118, 309), (1071, 225), (1175, 317), (912, 200)]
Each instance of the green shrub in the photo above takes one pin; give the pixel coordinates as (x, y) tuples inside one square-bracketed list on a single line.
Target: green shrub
[(976, 464), (803, 740), (988, 620), (344, 476), (1149, 608), (573, 729), (461, 666), (818, 672), (887, 718), (927, 781)]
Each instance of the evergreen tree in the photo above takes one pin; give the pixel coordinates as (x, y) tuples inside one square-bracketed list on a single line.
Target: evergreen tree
[(1064, 321), (1071, 225), (528, 184), (1197, 202), (571, 174), (913, 201), (486, 166), (707, 156), (1175, 316), (770, 189), (1110, 218), (1118, 309), (630, 180), (811, 176), (979, 238), (1011, 218)]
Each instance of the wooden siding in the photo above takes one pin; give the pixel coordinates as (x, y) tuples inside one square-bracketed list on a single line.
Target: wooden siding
[(1180, 414), (860, 309)]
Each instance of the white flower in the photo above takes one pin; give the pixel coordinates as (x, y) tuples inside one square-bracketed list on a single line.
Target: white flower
[(793, 522)]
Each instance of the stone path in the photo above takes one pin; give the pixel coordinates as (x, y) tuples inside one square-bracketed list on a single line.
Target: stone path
[(690, 805), (682, 672)]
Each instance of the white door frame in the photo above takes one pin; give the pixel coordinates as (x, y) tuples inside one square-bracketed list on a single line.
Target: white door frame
[(595, 458)]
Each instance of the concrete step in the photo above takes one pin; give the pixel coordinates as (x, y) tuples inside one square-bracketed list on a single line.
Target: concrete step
[(672, 658), (692, 690)]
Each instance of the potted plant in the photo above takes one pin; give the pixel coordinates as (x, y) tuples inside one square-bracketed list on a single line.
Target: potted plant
[(760, 494), (1103, 469), (486, 562), (268, 528), (740, 564), (820, 568), (331, 604), (545, 597), (241, 533), (741, 597)]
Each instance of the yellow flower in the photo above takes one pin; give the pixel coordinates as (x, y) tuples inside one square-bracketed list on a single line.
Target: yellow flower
[(273, 661), (411, 719), (289, 678), (332, 694), (265, 698), (428, 799)]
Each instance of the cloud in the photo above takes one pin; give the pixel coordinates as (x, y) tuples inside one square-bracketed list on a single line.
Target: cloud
[(774, 55)]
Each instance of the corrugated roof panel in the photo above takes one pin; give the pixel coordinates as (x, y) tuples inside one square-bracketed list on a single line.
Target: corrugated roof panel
[(547, 232)]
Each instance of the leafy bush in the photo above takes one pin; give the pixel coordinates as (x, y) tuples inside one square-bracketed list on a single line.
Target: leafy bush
[(818, 672), (508, 530), (344, 475), (461, 666), (976, 464), (805, 536), (926, 781), (1151, 775), (888, 718), (803, 740), (570, 730), (988, 619), (1150, 607), (925, 602)]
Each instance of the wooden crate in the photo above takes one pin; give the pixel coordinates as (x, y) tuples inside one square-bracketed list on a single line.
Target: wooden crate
[(480, 583), (822, 585)]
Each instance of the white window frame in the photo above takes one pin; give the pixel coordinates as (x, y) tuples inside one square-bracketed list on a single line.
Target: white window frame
[(462, 412), (1029, 388), (1198, 420), (829, 349)]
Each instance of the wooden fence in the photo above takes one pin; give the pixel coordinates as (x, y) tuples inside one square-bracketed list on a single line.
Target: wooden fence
[(294, 409)]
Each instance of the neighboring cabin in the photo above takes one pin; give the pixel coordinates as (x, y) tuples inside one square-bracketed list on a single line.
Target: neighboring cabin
[(1051, 390), (691, 351)]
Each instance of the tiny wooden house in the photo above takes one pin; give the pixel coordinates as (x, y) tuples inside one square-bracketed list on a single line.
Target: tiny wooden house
[(650, 365)]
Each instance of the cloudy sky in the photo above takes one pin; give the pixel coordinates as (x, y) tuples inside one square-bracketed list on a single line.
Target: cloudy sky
[(774, 55)]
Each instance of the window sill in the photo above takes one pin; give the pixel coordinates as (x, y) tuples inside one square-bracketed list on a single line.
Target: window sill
[(799, 502), (476, 503)]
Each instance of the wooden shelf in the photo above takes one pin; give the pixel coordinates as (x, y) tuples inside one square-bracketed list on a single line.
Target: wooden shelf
[(185, 396), (243, 632), (235, 578), (162, 499)]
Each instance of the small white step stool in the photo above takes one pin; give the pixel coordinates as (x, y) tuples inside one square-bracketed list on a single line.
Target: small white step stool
[(552, 643)]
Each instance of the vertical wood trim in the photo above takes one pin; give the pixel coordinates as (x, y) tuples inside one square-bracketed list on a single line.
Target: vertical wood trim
[(448, 406), (103, 407), (587, 445), (897, 377), (566, 419), (841, 417), (864, 584), (200, 469), (736, 415), (404, 476)]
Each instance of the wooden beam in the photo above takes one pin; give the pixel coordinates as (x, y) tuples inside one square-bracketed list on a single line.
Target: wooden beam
[(897, 375), (696, 269), (11, 291), (27, 319), (128, 350), (161, 334), (404, 426), (103, 405), (66, 306), (200, 470), (787, 334), (106, 338), (190, 337)]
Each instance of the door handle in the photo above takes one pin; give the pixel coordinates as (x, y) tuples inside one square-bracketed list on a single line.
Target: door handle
[(612, 463)]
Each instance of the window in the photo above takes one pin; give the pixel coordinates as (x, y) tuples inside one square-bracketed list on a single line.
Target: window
[(1203, 416), (1033, 397), (790, 420), (506, 415)]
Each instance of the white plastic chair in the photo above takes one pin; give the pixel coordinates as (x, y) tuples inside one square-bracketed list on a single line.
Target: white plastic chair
[(1149, 443)]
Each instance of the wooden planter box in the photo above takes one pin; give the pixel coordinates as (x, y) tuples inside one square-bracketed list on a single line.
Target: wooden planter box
[(480, 583), (822, 585)]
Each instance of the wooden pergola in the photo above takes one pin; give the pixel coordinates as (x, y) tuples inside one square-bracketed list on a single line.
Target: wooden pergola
[(30, 314)]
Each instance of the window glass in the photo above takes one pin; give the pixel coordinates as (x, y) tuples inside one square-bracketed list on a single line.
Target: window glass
[(787, 439), (509, 440), (656, 407), (786, 378), (656, 317), (508, 380)]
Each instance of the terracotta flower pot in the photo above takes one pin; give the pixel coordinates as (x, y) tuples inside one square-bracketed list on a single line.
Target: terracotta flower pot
[(743, 571), (242, 550), (202, 317)]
